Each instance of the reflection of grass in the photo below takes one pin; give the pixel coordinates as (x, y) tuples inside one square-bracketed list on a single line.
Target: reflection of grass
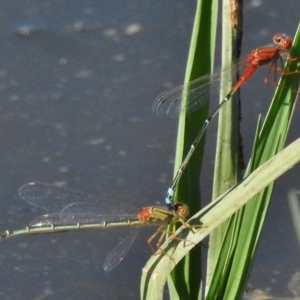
[(234, 256), (295, 211)]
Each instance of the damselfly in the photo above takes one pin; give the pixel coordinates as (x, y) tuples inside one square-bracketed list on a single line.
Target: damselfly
[(72, 211), (197, 93)]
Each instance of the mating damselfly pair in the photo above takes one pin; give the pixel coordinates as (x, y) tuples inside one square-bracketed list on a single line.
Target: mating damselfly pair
[(70, 211)]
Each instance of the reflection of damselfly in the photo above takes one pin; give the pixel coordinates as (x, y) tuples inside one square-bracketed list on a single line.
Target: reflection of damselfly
[(71, 211), (191, 96)]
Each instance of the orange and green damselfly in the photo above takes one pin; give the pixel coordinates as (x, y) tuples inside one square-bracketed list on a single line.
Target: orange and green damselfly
[(73, 211)]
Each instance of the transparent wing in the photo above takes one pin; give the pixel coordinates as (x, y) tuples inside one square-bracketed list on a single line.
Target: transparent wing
[(64, 209), (54, 199), (86, 213), (46, 221), (198, 92), (171, 104), (117, 254), (49, 197)]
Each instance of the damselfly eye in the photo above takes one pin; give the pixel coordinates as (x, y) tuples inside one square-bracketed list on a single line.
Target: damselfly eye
[(287, 43), (277, 38), (182, 210)]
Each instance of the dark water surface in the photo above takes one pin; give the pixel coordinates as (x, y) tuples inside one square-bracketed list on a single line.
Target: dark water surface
[(77, 81)]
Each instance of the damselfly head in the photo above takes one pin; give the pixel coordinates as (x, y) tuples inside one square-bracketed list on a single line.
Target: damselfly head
[(282, 41), (181, 209)]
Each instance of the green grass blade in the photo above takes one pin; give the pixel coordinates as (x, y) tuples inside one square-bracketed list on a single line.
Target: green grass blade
[(200, 62), (227, 168)]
